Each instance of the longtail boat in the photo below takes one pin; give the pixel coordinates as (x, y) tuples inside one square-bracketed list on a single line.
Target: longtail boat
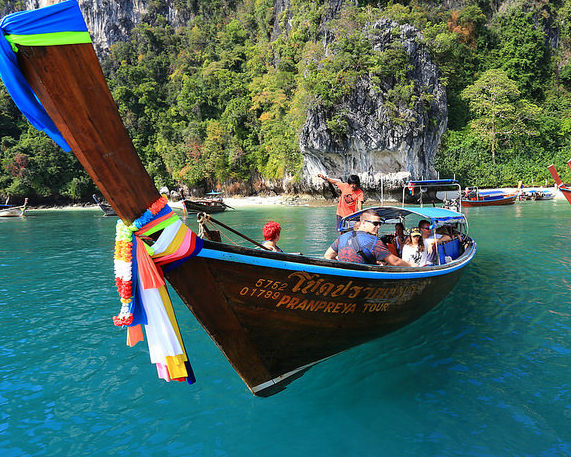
[(273, 315), (564, 188), (537, 194), (475, 197), (7, 210), (105, 207), (212, 203)]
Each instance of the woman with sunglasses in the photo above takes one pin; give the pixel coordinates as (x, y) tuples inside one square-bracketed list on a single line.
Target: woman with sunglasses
[(414, 251), (362, 245)]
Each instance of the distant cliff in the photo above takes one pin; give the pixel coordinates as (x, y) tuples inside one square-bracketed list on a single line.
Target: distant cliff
[(110, 21), (381, 143)]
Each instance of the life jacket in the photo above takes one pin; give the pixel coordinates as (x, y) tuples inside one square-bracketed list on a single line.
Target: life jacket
[(363, 252)]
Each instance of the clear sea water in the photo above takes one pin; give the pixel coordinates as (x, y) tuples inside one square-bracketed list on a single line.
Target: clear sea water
[(486, 373)]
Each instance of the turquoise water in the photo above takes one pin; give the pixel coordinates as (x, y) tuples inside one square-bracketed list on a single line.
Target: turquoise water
[(487, 373)]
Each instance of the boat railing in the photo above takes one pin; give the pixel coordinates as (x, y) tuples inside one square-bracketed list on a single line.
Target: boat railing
[(453, 203)]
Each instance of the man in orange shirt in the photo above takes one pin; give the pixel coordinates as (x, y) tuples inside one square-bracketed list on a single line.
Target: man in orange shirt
[(352, 197)]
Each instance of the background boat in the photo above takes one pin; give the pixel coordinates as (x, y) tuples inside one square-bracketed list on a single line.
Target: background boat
[(13, 211), (212, 203), (473, 196), (537, 194), (105, 207), (204, 205)]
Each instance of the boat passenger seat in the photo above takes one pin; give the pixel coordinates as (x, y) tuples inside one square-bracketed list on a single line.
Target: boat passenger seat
[(450, 249)]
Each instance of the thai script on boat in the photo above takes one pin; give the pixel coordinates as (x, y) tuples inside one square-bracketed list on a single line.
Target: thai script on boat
[(313, 284), (290, 295)]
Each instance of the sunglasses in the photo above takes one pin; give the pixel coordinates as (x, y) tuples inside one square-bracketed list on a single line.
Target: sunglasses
[(375, 223)]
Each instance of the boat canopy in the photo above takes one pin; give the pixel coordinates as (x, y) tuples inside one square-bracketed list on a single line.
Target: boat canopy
[(434, 182), (427, 190), (438, 217)]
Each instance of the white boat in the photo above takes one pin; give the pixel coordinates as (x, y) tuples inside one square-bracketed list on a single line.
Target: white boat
[(7, 210)]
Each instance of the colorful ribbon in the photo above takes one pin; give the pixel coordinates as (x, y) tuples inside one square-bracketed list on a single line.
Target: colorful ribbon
[(142, 288), (58, 24)]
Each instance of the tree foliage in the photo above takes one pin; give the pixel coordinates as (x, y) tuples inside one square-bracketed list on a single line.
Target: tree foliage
[(224, 98), (501, 115)]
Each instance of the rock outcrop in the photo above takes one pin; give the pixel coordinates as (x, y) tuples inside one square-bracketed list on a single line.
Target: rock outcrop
[(382, 146), (110, 21)]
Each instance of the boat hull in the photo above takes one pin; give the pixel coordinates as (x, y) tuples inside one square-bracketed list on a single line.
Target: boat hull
[(508, 200), (276, 315), (12, 212), (210, 207)]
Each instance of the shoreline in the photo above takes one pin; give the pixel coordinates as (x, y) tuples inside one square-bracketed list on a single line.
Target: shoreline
[(278, 200)]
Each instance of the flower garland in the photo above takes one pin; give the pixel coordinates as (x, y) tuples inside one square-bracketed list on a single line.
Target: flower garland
[(139, 276), (123, 260)]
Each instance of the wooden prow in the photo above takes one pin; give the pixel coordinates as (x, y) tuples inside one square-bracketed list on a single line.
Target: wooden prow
[(564, 189), (69, 82), (94, 131), (555, 175)]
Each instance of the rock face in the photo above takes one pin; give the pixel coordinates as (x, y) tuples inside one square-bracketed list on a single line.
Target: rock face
[(381, 146), (110, 21)]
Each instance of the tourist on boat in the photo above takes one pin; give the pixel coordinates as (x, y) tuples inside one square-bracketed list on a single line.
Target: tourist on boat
[(414, 251), (352, 197), (271, 232), (399, 238), (363, 245), (431, 241)]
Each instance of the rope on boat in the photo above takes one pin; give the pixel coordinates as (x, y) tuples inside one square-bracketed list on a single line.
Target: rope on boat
[(203, 218)]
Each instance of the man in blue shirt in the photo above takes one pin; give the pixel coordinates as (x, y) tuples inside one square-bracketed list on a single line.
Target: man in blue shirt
[(363, 245)]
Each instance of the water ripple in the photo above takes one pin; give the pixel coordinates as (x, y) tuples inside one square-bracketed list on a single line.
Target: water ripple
[(484, 374)]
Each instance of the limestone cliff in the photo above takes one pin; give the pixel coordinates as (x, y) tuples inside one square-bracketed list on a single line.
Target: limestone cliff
[(110, 21), (380, 143)]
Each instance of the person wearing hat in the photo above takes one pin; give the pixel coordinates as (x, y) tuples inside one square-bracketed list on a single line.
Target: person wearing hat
[(414, 250)]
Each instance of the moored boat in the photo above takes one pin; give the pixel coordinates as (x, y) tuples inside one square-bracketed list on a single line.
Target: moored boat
[(212, 203), (537, 194), (7, 210), (273, 315), (474, 197), (105, 207)]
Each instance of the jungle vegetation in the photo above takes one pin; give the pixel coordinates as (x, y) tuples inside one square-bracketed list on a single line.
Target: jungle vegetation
[(222, 100)]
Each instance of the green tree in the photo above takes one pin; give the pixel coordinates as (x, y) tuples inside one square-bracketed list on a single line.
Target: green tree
[(500, 113), (522, 52)]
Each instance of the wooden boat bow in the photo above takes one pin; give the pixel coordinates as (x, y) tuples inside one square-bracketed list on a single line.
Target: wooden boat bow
[(69, 82)]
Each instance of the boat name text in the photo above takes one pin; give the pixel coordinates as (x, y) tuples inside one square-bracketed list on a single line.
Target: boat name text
[(313, 284)]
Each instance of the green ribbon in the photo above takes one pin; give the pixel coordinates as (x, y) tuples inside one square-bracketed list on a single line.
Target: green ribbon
[(164, 224), (48, 39)]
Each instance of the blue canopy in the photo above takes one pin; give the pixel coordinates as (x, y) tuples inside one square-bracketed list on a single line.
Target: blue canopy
[(61, 23), (438, 217), (434, 182)]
